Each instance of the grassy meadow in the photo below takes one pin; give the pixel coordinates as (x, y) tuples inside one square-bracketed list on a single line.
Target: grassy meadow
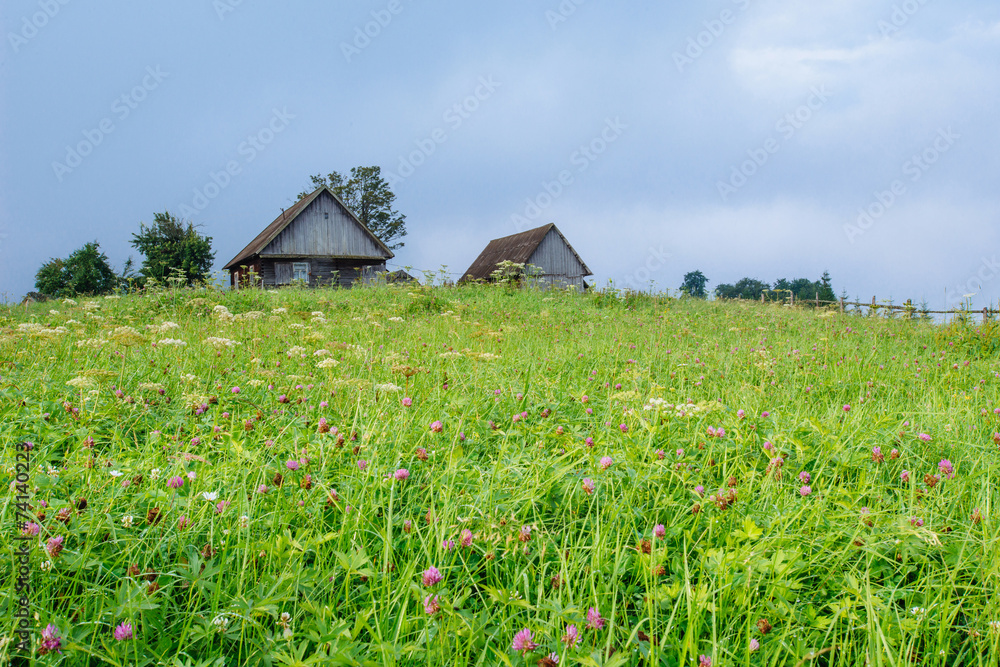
[(491, 476)]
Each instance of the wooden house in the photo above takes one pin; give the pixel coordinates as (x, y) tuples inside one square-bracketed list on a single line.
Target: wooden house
[(318, 241), (557, 264)]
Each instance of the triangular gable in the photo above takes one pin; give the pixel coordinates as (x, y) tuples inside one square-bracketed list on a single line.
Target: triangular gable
[(555, 230), (288, 216)]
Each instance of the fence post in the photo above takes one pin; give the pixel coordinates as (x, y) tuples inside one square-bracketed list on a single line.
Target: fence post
[(762, 297), (985, 315), (817, 300), (841, 305), (793, 298), (872, 314)]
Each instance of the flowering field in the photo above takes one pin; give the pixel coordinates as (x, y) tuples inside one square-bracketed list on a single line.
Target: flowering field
[(487, 476)]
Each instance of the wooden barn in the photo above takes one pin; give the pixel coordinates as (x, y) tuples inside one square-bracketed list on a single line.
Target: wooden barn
[(318, 240), (544, 247)]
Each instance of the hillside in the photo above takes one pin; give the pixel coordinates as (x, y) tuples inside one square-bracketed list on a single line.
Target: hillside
[(488, 476)]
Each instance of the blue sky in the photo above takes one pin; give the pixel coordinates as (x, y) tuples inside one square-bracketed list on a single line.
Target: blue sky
[(737, 137)]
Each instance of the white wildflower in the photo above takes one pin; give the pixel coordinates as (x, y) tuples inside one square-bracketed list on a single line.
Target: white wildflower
[(217, 342), (81, 383), (171, 342)]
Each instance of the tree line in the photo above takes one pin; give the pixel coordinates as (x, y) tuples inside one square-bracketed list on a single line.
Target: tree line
[(171, 249), (174, 251), (802, 289)]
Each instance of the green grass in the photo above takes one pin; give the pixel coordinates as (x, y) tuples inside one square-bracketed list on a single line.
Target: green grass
[(341, 548)]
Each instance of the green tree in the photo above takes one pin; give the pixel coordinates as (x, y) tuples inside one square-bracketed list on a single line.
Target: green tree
[(826, 292), (85, 271), (50, 279), (694, 284), (168, 246), (750, 288), (746, 288), (726, 291), (368, 196)]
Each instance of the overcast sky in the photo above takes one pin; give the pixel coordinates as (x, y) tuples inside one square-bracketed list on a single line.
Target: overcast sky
[(760, 138)]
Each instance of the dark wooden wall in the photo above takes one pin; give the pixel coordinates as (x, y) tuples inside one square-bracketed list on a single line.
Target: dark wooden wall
[(322, 270)]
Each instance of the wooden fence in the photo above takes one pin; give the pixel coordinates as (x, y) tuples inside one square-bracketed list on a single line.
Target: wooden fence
[(908, 309)]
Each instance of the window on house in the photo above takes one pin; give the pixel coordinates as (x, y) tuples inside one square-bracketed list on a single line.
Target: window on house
[(300, 271)]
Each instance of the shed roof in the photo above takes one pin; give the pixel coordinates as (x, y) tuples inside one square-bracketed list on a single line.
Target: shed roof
[(286, 218), (516, 248)]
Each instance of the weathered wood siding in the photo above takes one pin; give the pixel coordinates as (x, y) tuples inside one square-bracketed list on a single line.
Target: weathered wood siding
[(323, 271), (559, 265), (324, 228), (243, 276)]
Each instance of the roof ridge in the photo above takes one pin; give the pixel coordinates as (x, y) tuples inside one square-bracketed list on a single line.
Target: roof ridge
[(280, 223)]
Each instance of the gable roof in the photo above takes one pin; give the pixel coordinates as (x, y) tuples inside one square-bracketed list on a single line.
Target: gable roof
[(516, 248), (286, 218)]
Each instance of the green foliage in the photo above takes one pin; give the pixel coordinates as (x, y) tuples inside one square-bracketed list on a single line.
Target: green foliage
[(51, 278), (170, 247), (746, 288), (367, 194), (802, 289), (85, 271), (981, 341), (694, 284)]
